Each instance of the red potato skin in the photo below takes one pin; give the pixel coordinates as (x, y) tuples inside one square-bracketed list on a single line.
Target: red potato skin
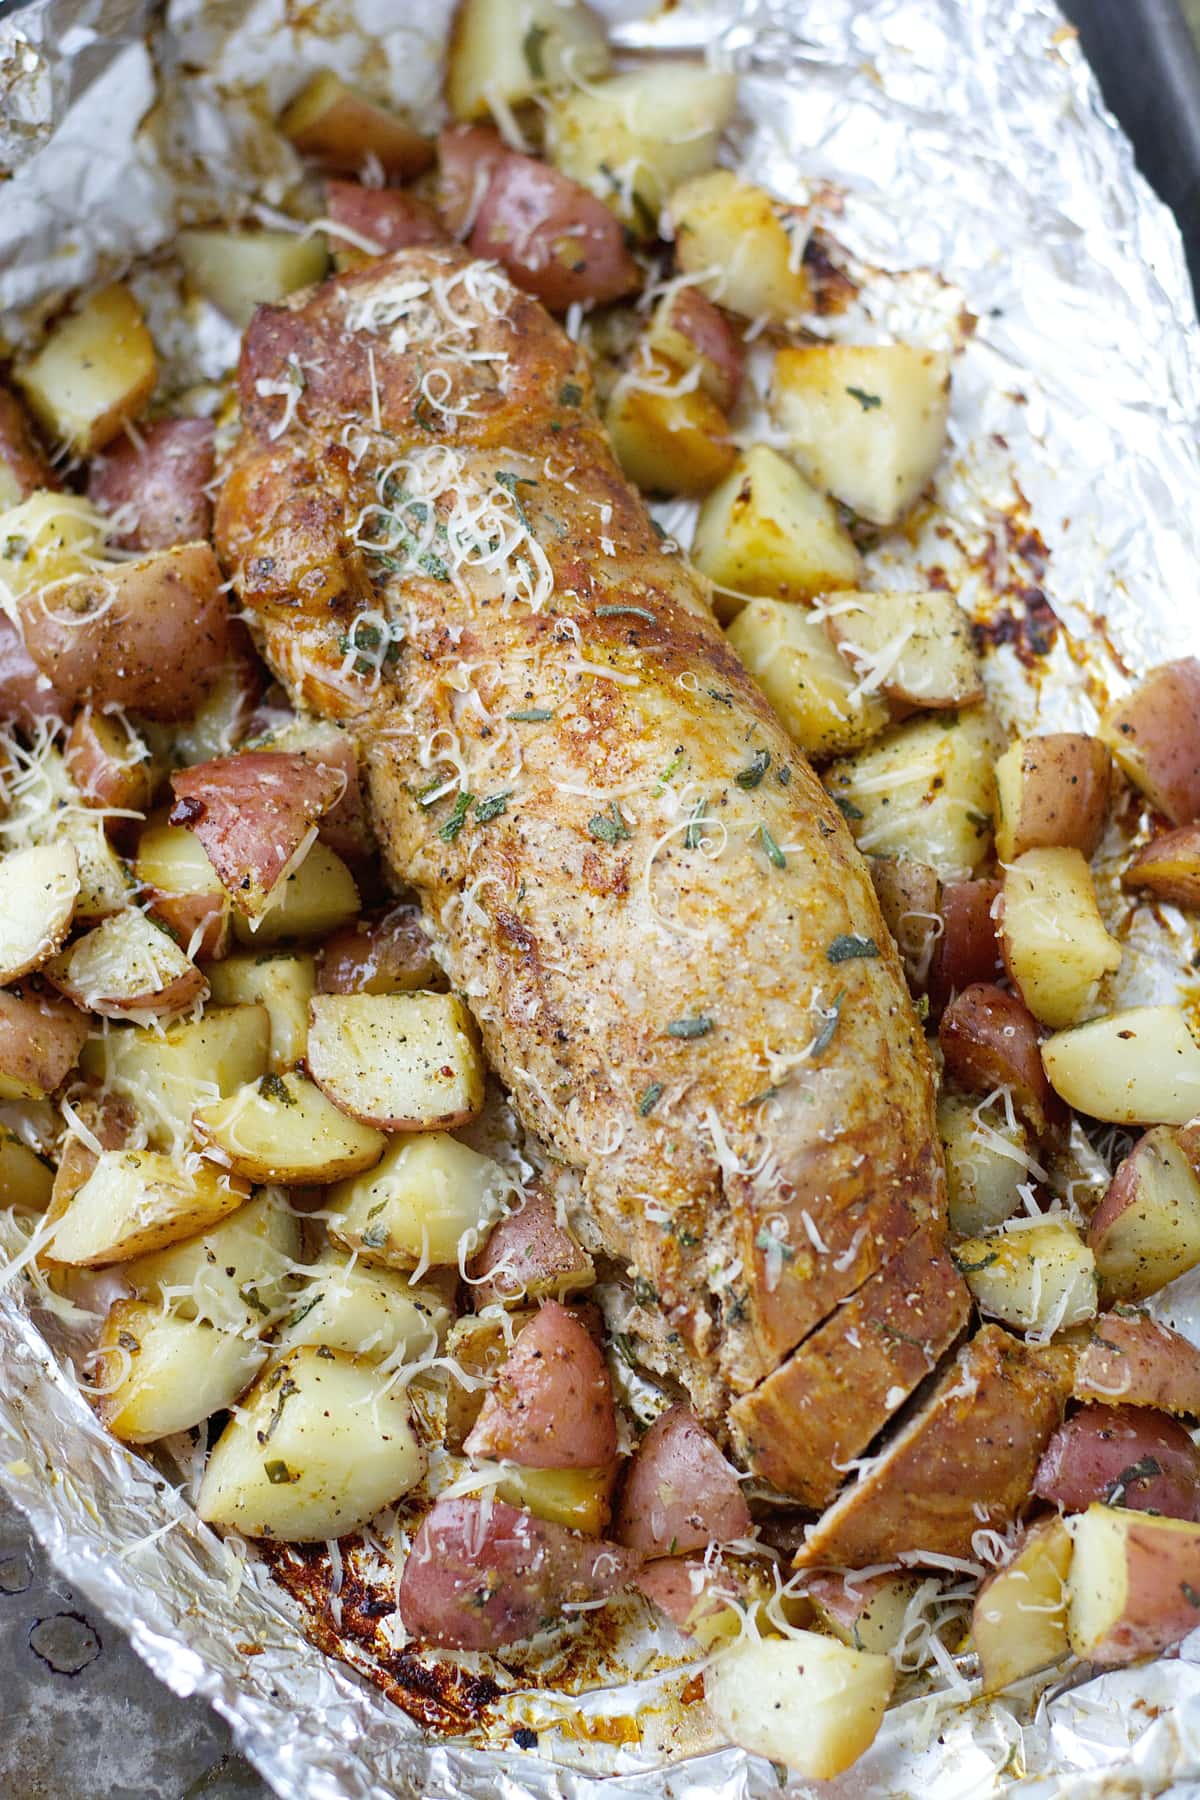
[(989, 1039), (686, 1590), (1169, 867), (147, 635), (968, 951), (679, 1494), (40, 1036), (185, 914), (555, 239), (526, 1246), (345, 826), (1162, 1583), (482, 1574), (1133, 1360), (390, 955), (388, 217), (252, 812), (1160, 724), (1090, 1458), (353, 121), (26, 695), (170, 1001), (103, 767), (693, 315), (552, 1405), (160, 484), (467, 158), (19, 452)]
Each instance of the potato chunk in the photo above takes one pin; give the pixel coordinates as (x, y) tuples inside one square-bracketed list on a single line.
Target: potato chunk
[(128, 967), (241, 270), (811, 687), (1169, 866), (501, 55), (166, 1075), (1154, 734), (38, 891), (669, 436), (1040, 1278), (1133, 1584), (987, 1159), (1052, 791), (1055, 944), (865, 422), (342, 130), (26, 1180), (96, 369), (234, 1274), (925, 791), (185, 891), (428, 1199), (139, 1200), (765, 530), (318, 897), (1019, 1621), (402, 1062), (1146, 1230), (1138, 1067), (161, 1374), (282, 1128), (744, 248), (915, 648), (320, 1444), (282, 982), (369, 1311), (804, 1700)]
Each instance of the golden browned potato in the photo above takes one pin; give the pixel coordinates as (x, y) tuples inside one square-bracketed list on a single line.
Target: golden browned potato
[(282, 981), (1019, 1621), (766, 530), (669, 435), (689, 331), (159, 1373), (429, 1199), (282, 1128), (38, 890), (342, 129), (166, 1075), (811, 687), (1140, 1066), (1169, 867), (1133, 1584), (1037, 1277), (805, 1701), (1056, 947), (96, 369), (1052, 792), (110, 764), (240, 270), (915, 648), (1146, 1230), (745, 249), (909, 896), (26, 1179), (501, 55), (139, 1200), (403, 1062), (1154, 734), (1130, 1359), (925, 790)]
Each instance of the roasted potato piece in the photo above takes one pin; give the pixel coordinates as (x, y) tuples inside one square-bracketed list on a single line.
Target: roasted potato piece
[(344, 827), (499, 55), (989, 1040), (388, 955), (701, 1598), (314, 898), (988, 1157), (968, 950), (241, 270), (1155, 738), (166, 1075), (1052, 793), (139, 1200), (1169, 867), (282, 981), (1132, 1585), (96, 368), (744, 248), (668, 435), (1131, 1359), (1138, 1067), (866, 1612), (1056, 947), (128, 968), (26, 1179), (402, 1062), (1123, 1456), (223, 717), (160, 1374), (364, 1309), (529, 1256), (810, 686), (1146, 1230), (866, 422), (23, 468), (47, 537), (156, 489), (428, 1200), (234, 1274), (679, 1492), (686, 329), (26, 695), (766, 531), (282, 1128), (184, 890), (558, 242), (925, 790), (476, 1344), (38, 890), (909, 895), (375, 221), (1039, 1278), (915, 648), (342, 129), (320, 1444), (552, 1404), (805, 1700), (110, 764), (1019, 1621), (467, 156), (578, 1498), (41, 1037), (255, 814)]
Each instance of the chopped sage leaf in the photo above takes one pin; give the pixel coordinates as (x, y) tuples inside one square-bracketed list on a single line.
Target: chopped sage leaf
[(530, 715), (697, 1027), (774, 853), (650, 1098), (485, 810), (828, 1030), (867, 401), (849, 945), (277, 1473), (458, 817), (751, 776), (609, 827), (634, 612), (847, 808)]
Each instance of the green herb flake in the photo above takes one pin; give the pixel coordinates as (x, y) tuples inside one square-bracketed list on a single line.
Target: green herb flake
[(1143, 1470), (973, 1268), (609, 827), (274, 1087), (868, 402), (375, 1237), (650, 1099), (303, 1311), (428, 796), (458, 817), (849, 946), (828, 1030), (250, 1296), (773, 853), (644, 1292), (530, 715), (531, 49), (622, 1343), (783, 775), (695, 829), (696, 1027), (769, 1240), (277, 1473), (847, 808), (668, 775), (434, 566), (570, 394), (750, 776), (286, 1390), (491, 808), (716, 694), (633, 612), (513, 482)]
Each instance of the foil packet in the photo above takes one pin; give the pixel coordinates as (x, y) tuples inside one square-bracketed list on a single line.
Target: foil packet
[(978, 197)]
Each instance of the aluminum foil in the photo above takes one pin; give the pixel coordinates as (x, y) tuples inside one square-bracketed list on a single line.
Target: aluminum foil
[(958, 156)]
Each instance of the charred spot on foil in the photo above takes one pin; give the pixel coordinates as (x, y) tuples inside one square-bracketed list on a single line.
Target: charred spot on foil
[(525, 1739), (832, 288), (1027, 622), (66, 1642)]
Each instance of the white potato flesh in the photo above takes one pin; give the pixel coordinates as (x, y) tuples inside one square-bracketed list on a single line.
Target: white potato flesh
[(766, 531), (1133, 1583), (45, 537), (370, 1311), (282, 1128), (319, 1445), (282, 982), (915, 648), (158, 1373), (26, 1180), (1137, 1067), (1055, 943), (866, 422), (1019, 1621), (428, 1201), (988, 1157), (138, 1200), (1040, 1277), (172, 859), (239, 270), (402, 1062), (926, 791), (96, 369), (506, 51), (236, 1273), (634, 137), (166, 1075), (812, 688), (129, 967), (104, 884), (742, 247), (317, 898), (38, 891), (805, 1700)]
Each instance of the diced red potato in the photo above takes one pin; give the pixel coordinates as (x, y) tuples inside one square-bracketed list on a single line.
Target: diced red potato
[(109, 763), (146, 635), (910, 897), (185, 915), (689, 1592), (555, 239), (1146, 1230), (345, 827), (23, 468), (128, 966), (388, 955), (989, 1039), (868, 1612), (467, 159), (112, 1123), (1169, 867), (482, 1574), (552, 1405), (1123, 1456), (1131, 1359), (968, 950), (690, 331), (340, 128), (528, 1255), (679, 1494), (1019, 1620), (1154, 735), (1053, 794), (40, 1040), (1134, 1585), (158, 488), (26, 695), (388, 218), (254, 813)]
